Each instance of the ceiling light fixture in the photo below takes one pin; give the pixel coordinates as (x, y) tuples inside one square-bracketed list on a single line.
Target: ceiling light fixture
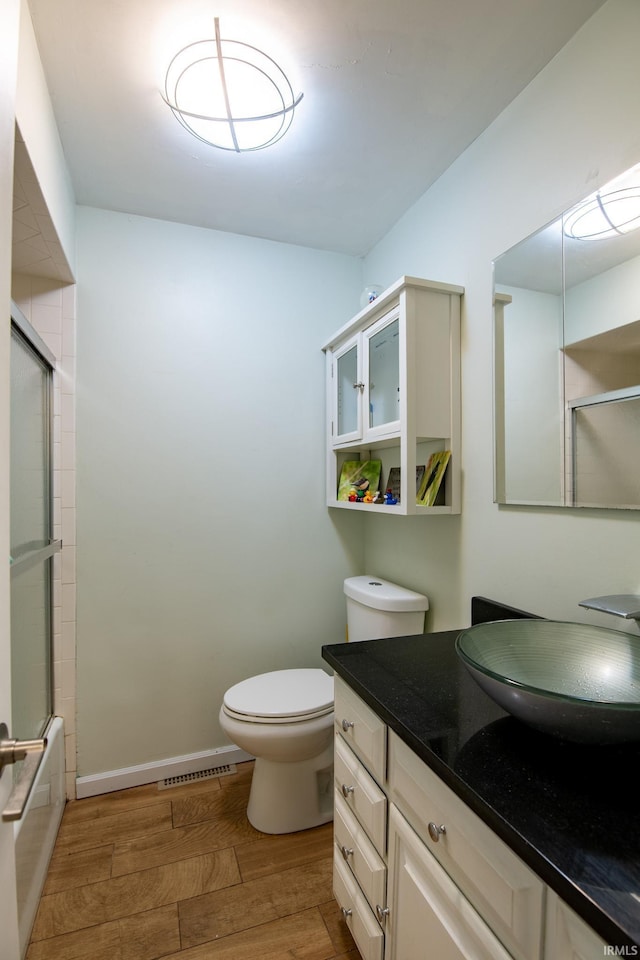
[(230, 94), (605, 215)]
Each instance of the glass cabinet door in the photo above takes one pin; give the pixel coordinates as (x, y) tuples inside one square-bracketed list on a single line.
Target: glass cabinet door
[(383, 374), (348, 388)]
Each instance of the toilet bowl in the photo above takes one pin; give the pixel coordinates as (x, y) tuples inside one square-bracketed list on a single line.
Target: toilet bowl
[(285, 720)]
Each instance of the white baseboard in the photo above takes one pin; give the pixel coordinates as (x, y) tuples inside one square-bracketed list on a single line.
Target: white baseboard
[(111, 780)]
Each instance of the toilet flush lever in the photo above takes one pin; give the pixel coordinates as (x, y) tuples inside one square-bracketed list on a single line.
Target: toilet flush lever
[(346, 725)]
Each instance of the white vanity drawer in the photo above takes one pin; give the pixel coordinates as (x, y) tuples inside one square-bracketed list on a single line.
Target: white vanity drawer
[(355, 848), (361, 793), (360, 919), (499, 885), (362, 729)]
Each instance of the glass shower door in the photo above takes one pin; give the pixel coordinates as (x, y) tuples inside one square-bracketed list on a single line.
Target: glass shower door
[(37, 800), (31, 545)]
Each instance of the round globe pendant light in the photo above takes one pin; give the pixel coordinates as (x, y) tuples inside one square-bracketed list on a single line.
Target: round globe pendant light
[(229, 94)]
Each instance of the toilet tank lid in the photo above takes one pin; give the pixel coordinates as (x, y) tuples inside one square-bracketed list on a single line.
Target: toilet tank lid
[(282, 693), (384, 595)]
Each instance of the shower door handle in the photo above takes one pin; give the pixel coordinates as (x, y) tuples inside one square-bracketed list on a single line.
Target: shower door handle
[(13, 751)]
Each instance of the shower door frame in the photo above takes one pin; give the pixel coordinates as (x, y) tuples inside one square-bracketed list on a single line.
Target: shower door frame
[(36, 828), (44, 355)]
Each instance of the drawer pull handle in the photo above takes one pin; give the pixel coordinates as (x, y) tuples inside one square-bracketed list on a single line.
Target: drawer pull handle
[(435, 831), (346, 724), (382, 912), (345, 912), (346, 790), (346, 851)]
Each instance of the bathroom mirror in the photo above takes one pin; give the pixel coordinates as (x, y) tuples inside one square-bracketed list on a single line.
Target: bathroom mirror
[(567, 357)]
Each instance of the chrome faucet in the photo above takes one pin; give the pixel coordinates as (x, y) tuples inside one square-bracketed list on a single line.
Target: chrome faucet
[(625, 605)]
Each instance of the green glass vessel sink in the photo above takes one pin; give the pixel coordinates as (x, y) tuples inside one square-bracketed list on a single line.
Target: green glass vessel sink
[(572, 680)]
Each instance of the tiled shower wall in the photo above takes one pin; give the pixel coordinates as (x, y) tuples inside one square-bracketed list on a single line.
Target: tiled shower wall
[(51, 309)]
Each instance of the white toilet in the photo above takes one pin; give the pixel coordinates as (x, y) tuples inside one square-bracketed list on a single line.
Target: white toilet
[(285, 718)]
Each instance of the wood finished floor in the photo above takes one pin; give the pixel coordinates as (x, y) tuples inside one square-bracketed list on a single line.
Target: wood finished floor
[(181, 874)]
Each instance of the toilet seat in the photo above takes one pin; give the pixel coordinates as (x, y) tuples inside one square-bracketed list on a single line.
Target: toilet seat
[(282, 696)]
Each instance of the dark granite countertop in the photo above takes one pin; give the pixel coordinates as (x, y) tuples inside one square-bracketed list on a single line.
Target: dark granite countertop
[(569, 811)]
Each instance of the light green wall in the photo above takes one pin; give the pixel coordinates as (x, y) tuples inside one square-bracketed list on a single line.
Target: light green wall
[(572, 129), (205, 553)]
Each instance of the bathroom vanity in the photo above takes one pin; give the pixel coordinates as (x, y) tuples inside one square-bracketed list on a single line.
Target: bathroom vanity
[(462, 833)]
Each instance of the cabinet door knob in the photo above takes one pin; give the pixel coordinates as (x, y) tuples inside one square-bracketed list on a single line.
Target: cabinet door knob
[(346, 724), (346, 790), (435, 831), (382, 913), (346, 912), (346, 851)]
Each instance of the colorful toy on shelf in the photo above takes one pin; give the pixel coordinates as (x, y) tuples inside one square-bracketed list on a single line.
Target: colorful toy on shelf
[(378, 497), (389, 498), (368, 497), (353, 496)]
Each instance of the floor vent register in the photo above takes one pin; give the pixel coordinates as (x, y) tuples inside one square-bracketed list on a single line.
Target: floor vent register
[(209, 774)]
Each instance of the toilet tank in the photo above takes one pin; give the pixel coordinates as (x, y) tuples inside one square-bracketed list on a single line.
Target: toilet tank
[(377, 608)]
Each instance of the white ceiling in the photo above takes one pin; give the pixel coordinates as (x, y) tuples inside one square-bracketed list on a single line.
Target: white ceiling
[(394, 91)]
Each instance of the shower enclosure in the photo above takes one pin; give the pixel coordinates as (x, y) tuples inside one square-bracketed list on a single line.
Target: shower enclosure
[(38, 807)]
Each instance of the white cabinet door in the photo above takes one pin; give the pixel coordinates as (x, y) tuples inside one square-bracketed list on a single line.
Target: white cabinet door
[(383, 393), (365, 383), (347, 387), (503, 889), (429, 918), (569, 936)]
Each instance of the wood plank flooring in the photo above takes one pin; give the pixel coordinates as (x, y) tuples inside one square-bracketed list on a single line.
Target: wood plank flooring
[(181, 874)]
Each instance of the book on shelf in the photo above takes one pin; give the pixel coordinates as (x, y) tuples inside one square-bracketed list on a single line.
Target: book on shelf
[(359, 475), (432, 479), (393, 482)]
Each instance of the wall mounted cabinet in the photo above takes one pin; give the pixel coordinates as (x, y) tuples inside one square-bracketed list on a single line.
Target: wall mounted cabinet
[(393, 391)]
